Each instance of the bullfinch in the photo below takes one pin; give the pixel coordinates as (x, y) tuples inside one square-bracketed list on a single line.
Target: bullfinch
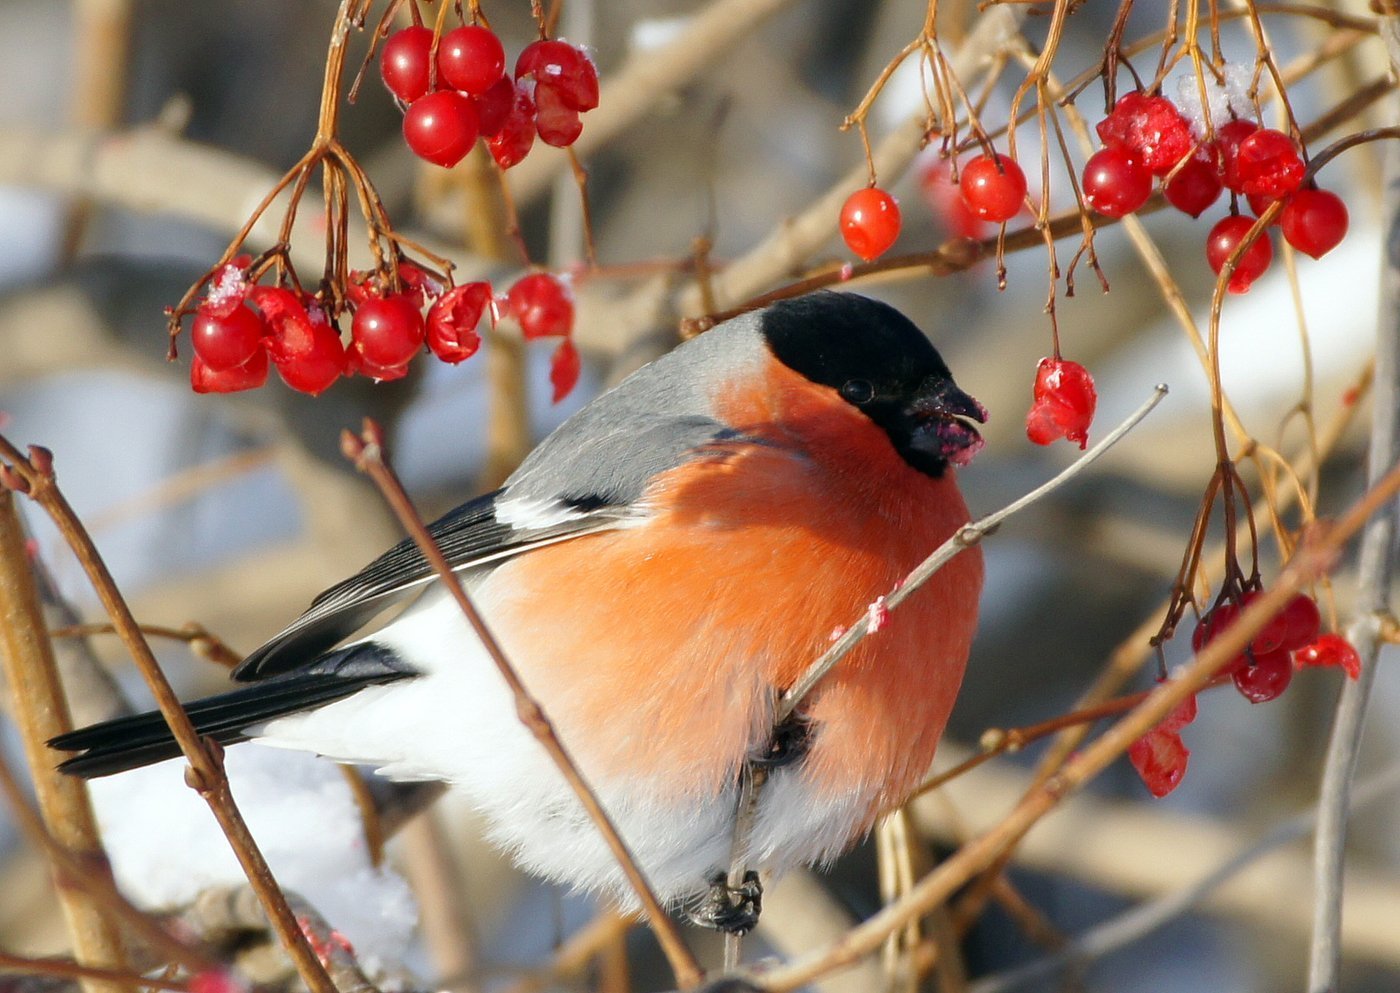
[(658, 571)]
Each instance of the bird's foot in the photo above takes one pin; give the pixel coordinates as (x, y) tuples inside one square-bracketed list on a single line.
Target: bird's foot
[(731, 909)]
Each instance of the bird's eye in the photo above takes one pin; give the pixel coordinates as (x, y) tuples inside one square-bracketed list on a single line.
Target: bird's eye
[(858, 391)]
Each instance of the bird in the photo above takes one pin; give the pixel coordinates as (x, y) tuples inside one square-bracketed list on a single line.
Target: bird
[(659, 570)]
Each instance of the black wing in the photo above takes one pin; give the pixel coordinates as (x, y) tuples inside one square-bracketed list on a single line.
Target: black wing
[(469, 536)]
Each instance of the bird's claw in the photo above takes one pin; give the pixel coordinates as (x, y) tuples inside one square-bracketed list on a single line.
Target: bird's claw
[(731, 909)]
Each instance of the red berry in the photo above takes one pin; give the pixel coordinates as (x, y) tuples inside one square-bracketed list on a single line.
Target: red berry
[(1331, 650), (493, 107), (557, 123), (1227, 139), (1264, 677), (216, 981), (945, 199), (1268, 164), (993, 187), (1160, 758), (517, 133), (1114, 184), (1063, 403), (404, 62), (470, 59), (1150, 129), (1303, 622), (1181, 715), (1314, 222), (247, 376), (452, 321), (303, 345), (870, 222), (564, 367), (1222, 241), (542, 305), (387, 332), (441, 127), (1197, 184), (1271, 636), (229, 340), (1259, 204), (567, 69), (357, 365)]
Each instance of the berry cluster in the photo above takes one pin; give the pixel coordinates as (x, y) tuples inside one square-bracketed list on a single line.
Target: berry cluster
[(1147, 136), (464, 93), (1260, 673), (1063, 402), (241, 328)]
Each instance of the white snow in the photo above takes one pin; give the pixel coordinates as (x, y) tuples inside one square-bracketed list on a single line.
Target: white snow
[(1222, 100), (166, 847)]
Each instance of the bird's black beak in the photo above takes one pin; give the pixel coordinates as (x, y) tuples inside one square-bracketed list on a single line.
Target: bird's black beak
[(941, 413)]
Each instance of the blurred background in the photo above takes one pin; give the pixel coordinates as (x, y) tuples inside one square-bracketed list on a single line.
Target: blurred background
[(136, 136)]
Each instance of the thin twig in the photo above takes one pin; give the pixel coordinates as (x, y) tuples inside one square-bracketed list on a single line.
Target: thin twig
[(34, 476), (367, 452), (966, 537), (1142, 920), (1374, 573), (40, 712), (68, 969)]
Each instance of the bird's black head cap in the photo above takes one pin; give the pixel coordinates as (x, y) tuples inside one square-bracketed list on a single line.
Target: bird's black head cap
[(879, 362)]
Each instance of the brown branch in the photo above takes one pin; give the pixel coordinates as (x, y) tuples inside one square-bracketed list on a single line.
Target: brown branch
[(68, 969), (40, 712), (367, 452), (34, 476)]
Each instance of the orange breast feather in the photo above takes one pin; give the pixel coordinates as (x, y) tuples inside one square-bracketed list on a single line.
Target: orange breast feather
[(657, 650)]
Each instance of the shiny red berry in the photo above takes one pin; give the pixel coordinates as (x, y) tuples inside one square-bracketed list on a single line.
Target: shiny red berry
[(870, 222), (1197, 184), (251, 374), (564, 368), (542, 305), (1271, 636), (557, 123), (1228, 138), (404, 62), (1258, 205), (452, 321), (1314, 222), (1160, 758), (1114, 184), (944, 198), (1264, 677), (441, 127), (993, 188), (1268, 164), (387, 332), (470, 59), (1063, 402), (566, 68), (228, 340), (1221, 243), (1331, 650)]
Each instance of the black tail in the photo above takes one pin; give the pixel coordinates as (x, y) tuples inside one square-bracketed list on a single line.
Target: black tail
[(142, 739)]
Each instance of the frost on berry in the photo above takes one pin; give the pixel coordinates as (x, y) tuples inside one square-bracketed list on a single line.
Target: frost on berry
[(227, 290), (453, 319), (1330, 650), (564, 368), (1150, 129), (1160, 758), (1223, 101), (1063, 402), (877, 615)]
